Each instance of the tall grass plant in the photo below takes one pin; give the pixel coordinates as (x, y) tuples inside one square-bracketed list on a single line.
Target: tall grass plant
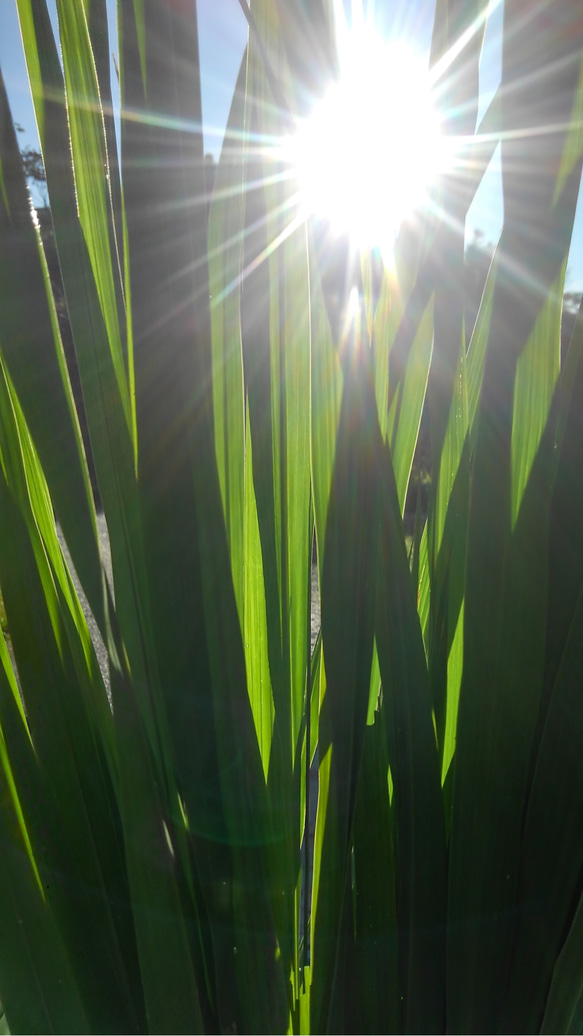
[(156, 869)]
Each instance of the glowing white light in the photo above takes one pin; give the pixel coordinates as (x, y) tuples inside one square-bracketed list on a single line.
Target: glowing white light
[(354, 303), (370, 150)]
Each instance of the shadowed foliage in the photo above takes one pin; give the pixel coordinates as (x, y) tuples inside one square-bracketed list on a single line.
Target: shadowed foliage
[(223, 831)]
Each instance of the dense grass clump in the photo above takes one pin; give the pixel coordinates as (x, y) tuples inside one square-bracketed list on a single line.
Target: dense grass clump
[(159, 867)]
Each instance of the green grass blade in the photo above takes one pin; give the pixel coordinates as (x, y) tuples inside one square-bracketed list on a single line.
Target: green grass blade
[(552, 846), (275, 315), (111, 438), (39, 993), (33, 352), (277, 292), (565, 556), (256, 639), (347, 639), (234, 455), (418, 824), (97, 25), (212, 741), (407, 405), (28, 485), (564, 1012), (225, 243), (506, 581), (477, 347), (79, 852), (326, 394), (376, 978), (495, 683), (170, 990), (571, 155), (551, 852), (447, 537), (536, 375), (91, 173)]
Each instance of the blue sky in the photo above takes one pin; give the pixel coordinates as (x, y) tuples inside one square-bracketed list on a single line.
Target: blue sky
[(223, 31)]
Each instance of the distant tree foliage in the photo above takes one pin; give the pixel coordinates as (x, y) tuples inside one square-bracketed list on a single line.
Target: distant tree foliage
[(33, 165), (34, 168)]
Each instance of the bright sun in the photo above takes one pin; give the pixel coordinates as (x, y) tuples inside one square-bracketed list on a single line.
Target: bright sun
[(372, 147)]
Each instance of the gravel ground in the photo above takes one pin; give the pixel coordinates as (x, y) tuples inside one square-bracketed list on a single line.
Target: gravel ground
[(315, 606), (105, 552)]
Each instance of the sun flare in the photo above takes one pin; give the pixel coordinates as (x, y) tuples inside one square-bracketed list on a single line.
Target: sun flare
[(369, 152)]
